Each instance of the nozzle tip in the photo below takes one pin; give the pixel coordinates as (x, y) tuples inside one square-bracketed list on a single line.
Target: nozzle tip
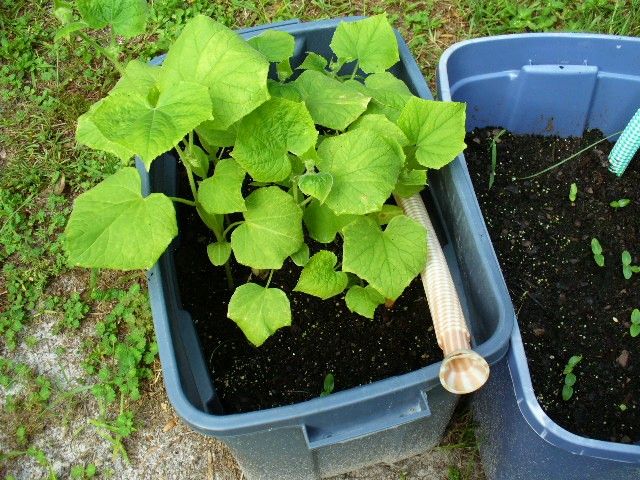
[(463, 371)]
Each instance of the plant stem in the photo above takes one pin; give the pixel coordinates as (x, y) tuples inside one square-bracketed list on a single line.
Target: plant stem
[(569, 157), (269, 279), (192, 182), (183, 200), (93, 280), (305, 201), (227, 271), (355, 70), (229, 227)]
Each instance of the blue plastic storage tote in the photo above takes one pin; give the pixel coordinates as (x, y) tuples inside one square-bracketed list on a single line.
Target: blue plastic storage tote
[(381, 422), (549, 84)]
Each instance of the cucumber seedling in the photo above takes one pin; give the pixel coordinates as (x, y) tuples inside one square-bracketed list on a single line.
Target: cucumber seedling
[(328, 385), (570, 377), (627, 269), (634, 329), (623, 202), (596, 249), (573, 192)]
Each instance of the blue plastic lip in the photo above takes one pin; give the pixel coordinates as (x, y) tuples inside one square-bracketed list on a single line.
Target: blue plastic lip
[(294, 415), (528, 404)]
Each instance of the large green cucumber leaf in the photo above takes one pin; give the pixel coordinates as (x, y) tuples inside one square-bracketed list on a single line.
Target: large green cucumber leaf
[(436, 128), (322, 224), (259, 311), (272, 229), (139, 77), (382, 126), (331, 103), (364, 166), (388, 260), (363, 300), (87, 133), (267, 134), (390, 94), (319, 278), (114, 226), (211, 54), (212, 137), (371, 42), (275, 45), (221, 193), (153, 124), (127, 17)]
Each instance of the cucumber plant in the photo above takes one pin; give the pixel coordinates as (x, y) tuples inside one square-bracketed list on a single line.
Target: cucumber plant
[(268, 158), (627, 268), (570, 377)]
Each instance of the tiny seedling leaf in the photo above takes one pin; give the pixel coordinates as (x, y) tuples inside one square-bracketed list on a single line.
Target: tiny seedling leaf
[(635, 316), (634, 330), (318, 277), (570, 379), (130, 232), (317, 185), (331, 103), (363, 300), (267, 135), (328, 385), (626, 258), (623, 202), (388, 260), (436, 128), (221, 193), (573, 192), (272, 229), (596, 248), (219, 252), (275, 45), (259, 311), (372, 42)]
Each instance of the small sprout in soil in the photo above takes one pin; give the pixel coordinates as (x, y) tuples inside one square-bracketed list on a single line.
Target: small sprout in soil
[(327, 387), (622, 407), (627, 269), (573, 192), (596, 249), (569, 377), (634, 329), (494, 156), (623, 202)]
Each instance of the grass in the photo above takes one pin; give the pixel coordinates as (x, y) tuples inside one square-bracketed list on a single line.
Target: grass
[(44, 87)]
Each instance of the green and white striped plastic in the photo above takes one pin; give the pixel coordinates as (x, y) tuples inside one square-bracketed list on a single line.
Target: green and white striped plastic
[(626, 146)]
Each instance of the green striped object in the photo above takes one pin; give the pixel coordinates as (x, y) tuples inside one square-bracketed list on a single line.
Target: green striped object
[(626, 146)]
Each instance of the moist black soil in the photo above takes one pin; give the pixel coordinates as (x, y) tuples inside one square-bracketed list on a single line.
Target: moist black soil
[(325, 337), (566, 304)]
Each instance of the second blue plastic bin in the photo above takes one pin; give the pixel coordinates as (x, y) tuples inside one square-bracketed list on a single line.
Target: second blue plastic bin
[(548, 84)]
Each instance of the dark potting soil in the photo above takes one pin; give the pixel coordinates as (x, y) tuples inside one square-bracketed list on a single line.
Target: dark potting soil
[(566, 304), (325, 337)]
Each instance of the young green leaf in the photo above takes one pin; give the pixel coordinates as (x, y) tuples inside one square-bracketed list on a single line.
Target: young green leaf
[(219, 253), (436, 128), (317, 185), (390, 94), (214, 56), (634, 329), (322, 223), (272, 229), (331, 103), (382, 126), (259, 311), (567, 392), (301, 257), (313, 61), (627, 268), (221, 193), (275, 45), (364, 167), (127, 17), (573, 192), (211, 137), (139, 77), (66, 31), (151, 128), (114, 226), (198, 160), (372, 42), (388, 260), (596, 249), (318, 277), (266, 135), (363, 300), (410, 182)]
